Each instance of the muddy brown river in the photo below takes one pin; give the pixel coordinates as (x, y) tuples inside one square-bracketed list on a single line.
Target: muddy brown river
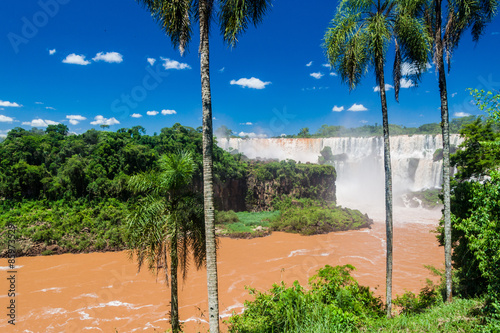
[(102, 292)]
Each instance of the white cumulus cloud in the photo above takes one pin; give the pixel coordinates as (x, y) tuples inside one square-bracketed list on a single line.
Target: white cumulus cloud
[(333, 74), (53, 51), (252, 82), (136, 115), (387, 87), (40, 123), (309, 64), (109, 57), (357, 107), (337, 108), (151, 61), (174, 64), (76, 59), (252, 135), (404, 83), (152, 113), (100, 120), (461, 114), (317, 75), (75, 119), (166, 112), (9, 104), (5, 119)]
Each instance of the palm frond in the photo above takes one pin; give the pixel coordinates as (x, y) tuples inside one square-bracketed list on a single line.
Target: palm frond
[(174, 17), (235, 16)]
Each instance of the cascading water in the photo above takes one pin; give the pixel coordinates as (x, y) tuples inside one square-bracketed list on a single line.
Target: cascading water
[(359, 163)]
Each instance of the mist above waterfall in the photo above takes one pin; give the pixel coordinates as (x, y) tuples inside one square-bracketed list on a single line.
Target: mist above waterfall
[(360, 176)]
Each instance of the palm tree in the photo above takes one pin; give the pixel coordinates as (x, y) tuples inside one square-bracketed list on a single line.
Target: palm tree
[(459, 16), (358, 38), (176, 18), (167, 222)]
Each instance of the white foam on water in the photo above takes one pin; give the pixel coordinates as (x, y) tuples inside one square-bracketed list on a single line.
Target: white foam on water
[(8, 268), (92, 295)]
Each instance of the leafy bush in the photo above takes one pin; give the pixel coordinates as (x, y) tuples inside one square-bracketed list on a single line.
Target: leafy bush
[(309, 217), (222, 217), (334, 303), (411, 303)]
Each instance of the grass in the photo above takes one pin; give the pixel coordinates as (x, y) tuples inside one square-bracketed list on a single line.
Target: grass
[(462, 315), (247, 224)]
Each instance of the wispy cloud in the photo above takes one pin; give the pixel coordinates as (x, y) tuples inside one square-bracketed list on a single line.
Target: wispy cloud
[(152, 113), (5, 119), (454, 94), (252, 135), (40, 123), (76, 59), (75, 119), (317, 75), (337, 108), (151, 61), (327, 65), (387, 87), (405, 83), (136, 115), (53, 51), (38, 103), (461, 114), (222, 70), (333, 74), (357, 107), (167, 112), (174, 64), (50, 108), (109, 57), (252, 83), (363, 121), (100, 120), (309, 64), (247, 123), (9, 104)]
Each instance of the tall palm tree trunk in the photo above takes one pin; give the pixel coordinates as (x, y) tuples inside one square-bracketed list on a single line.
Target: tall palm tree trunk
[(446, 150), (388, 189), (174, 298), (208, 192)]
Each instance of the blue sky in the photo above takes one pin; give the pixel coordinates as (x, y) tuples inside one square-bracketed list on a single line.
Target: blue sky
[(86, 63)]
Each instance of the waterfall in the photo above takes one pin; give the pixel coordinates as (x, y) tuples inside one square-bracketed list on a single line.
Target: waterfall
[(360, 170)]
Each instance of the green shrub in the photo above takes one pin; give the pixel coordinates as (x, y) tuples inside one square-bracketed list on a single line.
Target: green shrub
[(411, 303), (222, 217), (334, 303)]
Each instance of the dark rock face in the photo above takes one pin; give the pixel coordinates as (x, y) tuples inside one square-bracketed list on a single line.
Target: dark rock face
[(264, 182)]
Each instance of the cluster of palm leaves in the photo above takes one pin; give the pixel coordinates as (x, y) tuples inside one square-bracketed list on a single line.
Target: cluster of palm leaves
[(359, 37)]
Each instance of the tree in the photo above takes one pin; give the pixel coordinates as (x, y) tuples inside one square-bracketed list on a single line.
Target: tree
[(357, 39), (459, 16), (168, 221), (233, 17)]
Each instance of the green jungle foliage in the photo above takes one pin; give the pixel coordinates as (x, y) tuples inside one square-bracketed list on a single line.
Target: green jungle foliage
[(54, 164), (334, 301), (310, 217), (76, 226), (475, 206)]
